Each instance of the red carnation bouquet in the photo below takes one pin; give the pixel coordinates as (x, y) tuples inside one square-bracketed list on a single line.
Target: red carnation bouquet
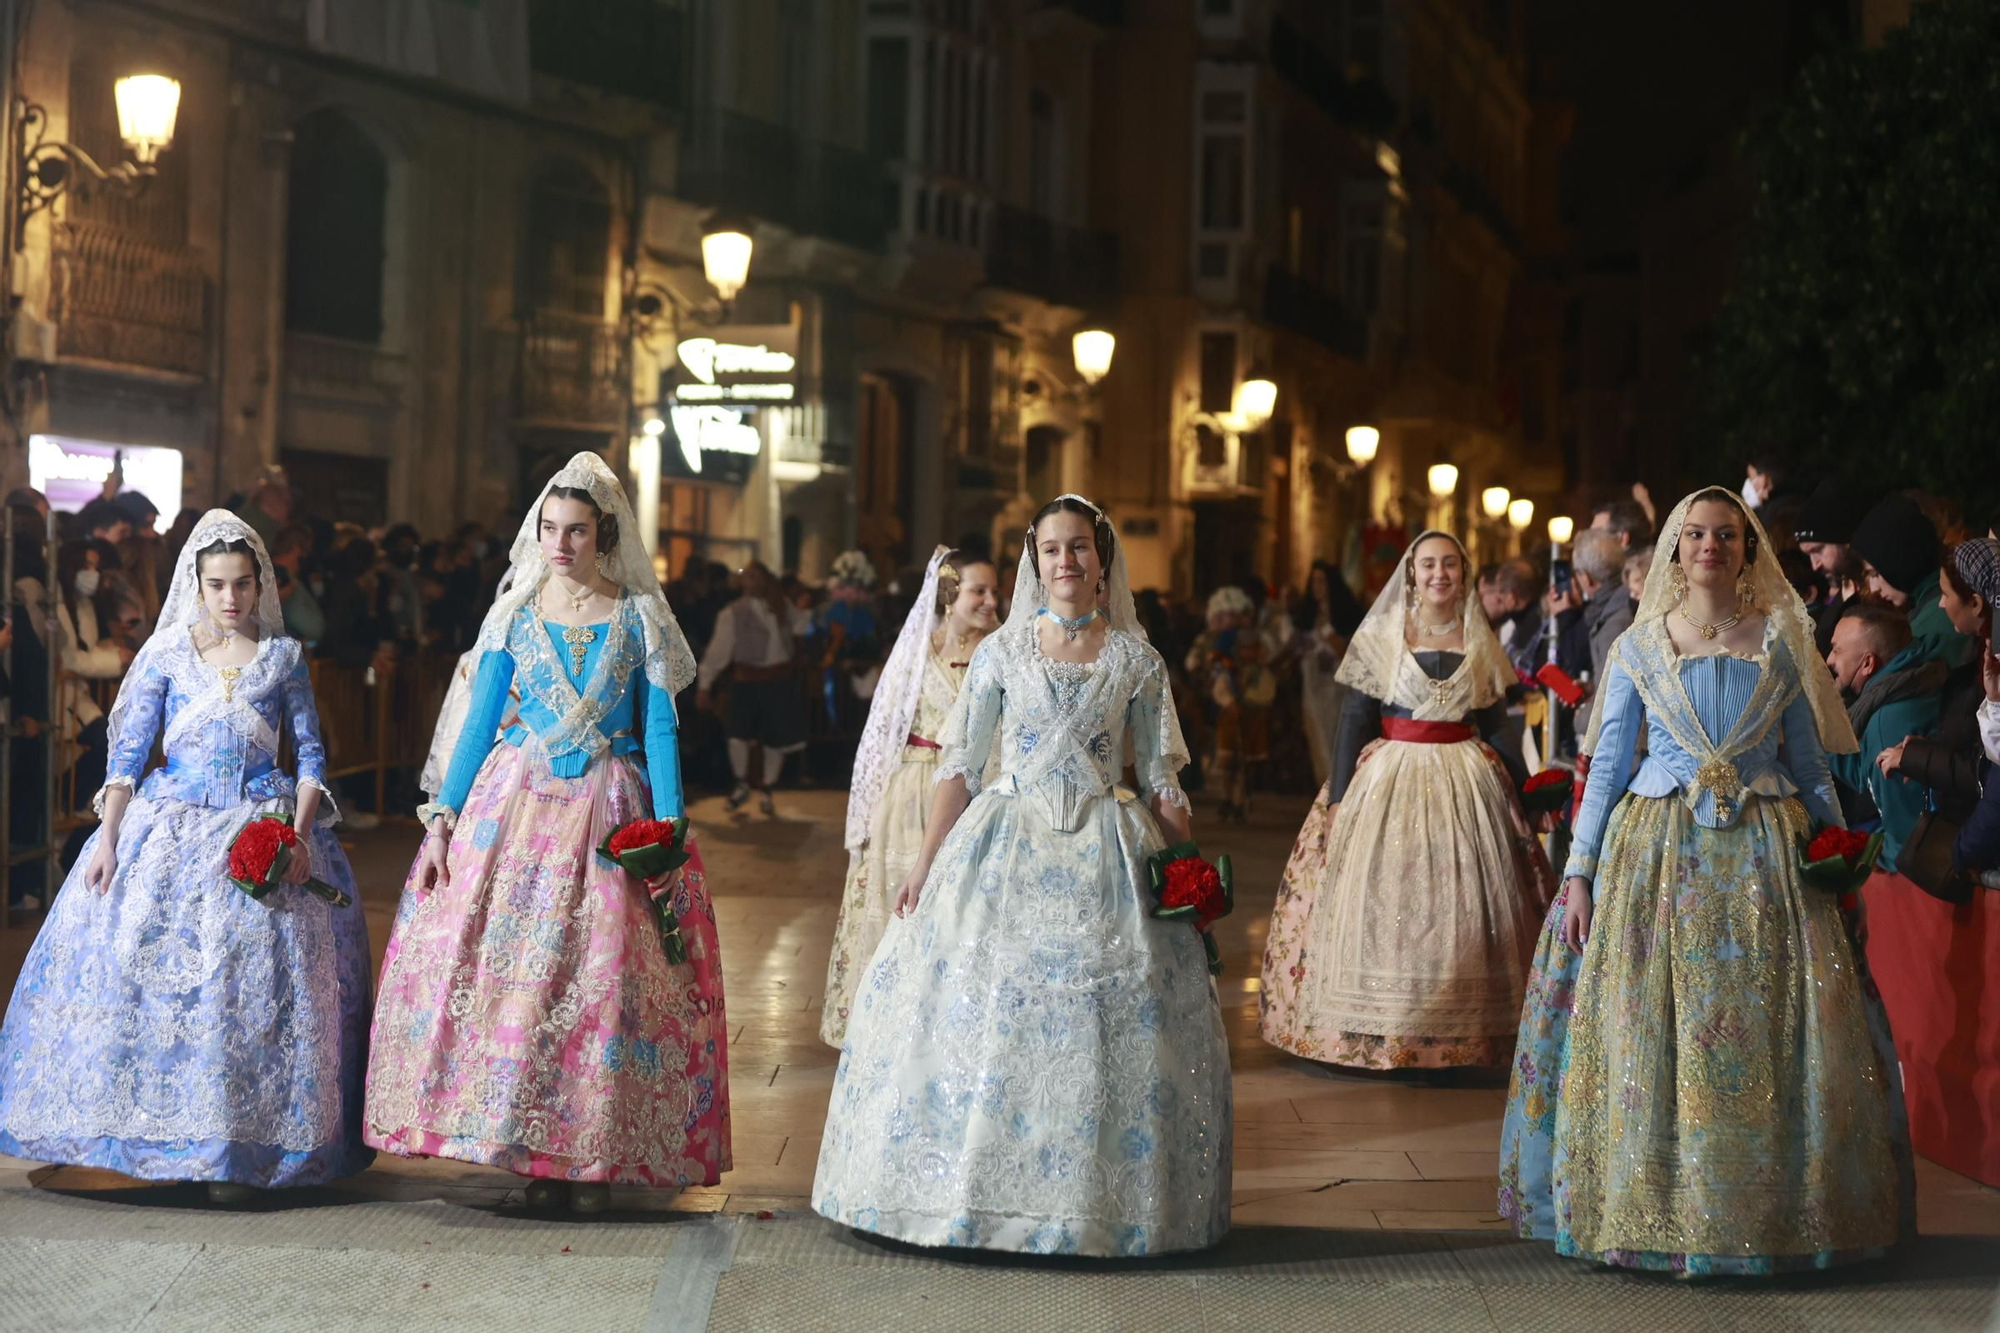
[(1192, 890), (647, 849), (261, 854), (1548, 792), (1838, 860)]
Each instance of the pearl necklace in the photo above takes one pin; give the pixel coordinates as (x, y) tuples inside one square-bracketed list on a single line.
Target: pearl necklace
[(1438, 631), (1710, 631)]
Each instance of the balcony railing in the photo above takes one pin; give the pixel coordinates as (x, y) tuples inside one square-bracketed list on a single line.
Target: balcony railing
[(768, 171), (1293, 303), (566, 371), (1065, 265), (337, 368), (121, 301), (1361, 104), (636, 48)]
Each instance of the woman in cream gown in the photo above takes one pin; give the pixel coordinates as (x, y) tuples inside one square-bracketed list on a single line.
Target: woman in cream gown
[(894, 768), (1405, 943)]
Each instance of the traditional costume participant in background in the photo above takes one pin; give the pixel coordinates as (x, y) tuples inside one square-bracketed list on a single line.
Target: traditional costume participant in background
[(457, 702), (890, 795), (1033, 1061), (532, 1013), (167, 1024), (1406, 942), (1705, 1081), (1228, 662), (755, 641)]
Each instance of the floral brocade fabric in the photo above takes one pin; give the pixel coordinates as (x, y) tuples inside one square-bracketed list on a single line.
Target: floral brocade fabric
[(528, 1017), (1710, 1087), (1032, 1062)]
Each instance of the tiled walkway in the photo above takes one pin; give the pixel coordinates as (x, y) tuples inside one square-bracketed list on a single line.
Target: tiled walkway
[(1314, 1148)]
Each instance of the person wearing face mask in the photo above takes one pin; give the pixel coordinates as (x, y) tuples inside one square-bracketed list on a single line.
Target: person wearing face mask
[(535, 1012), (1704, 1082), (1033, 1061), (1407, 913), (889, 798), (166, 1024)]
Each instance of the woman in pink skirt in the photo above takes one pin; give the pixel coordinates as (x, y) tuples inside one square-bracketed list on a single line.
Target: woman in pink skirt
[(529, 1017)]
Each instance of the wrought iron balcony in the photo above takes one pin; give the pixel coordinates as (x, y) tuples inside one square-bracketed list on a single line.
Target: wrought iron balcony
[(771, 172), (1065, 265), (121, 301), (566, 371), (1293, 303), (635, 48)]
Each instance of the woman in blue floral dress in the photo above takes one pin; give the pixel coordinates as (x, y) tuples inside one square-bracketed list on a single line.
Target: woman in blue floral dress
[(166, 1025)]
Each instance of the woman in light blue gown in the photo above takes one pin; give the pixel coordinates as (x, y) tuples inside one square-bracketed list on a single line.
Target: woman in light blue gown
[(166, 1025), (1032, 1062), (1704, 1082)]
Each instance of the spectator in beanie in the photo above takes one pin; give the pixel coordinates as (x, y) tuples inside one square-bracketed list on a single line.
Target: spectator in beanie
[(1892, 692), (1901, 548), (1827, 524)]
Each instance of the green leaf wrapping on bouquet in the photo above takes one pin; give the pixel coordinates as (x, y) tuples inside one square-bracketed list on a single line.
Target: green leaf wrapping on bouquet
[(670, 929), (647, 862), (1835, 874)]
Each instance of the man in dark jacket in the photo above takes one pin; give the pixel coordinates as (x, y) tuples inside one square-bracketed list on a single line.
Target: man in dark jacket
[(1903, 555)]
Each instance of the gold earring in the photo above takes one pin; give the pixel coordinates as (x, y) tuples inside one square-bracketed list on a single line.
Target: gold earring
[(1677, 583), (1745, 589)]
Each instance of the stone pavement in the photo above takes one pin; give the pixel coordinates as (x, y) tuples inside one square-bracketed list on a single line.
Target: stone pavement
[(1359, 1199)]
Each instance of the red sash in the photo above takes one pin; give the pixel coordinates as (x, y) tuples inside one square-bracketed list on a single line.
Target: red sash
[(921, 743), (1425, 733)]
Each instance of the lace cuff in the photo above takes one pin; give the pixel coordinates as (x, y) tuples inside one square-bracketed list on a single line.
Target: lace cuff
[(1581, 865), (97, 801), (329, 808), (974, 778), (430, 810), (1172, 794)]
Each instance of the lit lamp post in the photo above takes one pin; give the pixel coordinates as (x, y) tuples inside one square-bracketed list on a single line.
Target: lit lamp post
[(1092, 349), (1362, 442), (148, 106), (726, 246), (1493, 502), (1444, 481), (1255, 401)]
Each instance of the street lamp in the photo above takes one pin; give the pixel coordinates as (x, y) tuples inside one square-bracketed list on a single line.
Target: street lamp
[(1093, 350), (1256, 399), (1493, 501), (1520, 513), (1561, 529), (1362, 442), (1443, 479), (725, 256), (148, 105)]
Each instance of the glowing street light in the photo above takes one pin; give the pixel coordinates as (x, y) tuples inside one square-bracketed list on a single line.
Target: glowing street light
[(1093, 350), (148, 105), (1493, 501), (725, 256), (1362, 442), (1443, 479), (1561, 529), (1520, 513)]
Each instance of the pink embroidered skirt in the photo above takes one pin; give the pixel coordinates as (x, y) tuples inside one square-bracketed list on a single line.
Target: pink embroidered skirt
[(528, 1017)]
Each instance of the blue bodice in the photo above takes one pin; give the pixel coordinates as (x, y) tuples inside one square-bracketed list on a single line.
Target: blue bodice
[(584, 694), (220, 734), (1752, 715)]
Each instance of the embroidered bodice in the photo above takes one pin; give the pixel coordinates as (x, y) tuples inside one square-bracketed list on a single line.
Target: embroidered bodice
[(1430, 687), (936, 695), (222, 726), (1717, 728), (1064, 726), (583, 694)]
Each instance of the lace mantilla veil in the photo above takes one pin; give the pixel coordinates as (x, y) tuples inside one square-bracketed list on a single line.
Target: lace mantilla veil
[(1122, 613), (1376, 653), (1772, 595), (894, 708), (181, 611), (669, 660)]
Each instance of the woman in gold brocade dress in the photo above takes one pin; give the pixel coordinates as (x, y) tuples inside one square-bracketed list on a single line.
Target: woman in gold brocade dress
[(890, 796)]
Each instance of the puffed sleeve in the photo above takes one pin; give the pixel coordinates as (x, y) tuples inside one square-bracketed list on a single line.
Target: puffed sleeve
[(663, 746), (476, 739), (136, 717), (1610, 767), (968, 731), (1159, 752), (1805, 759), (302, 716)]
